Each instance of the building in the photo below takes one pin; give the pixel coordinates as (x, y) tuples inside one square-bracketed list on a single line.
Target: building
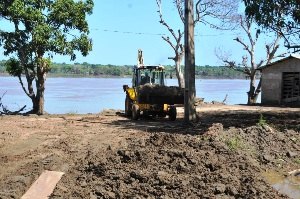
[(281, 82)]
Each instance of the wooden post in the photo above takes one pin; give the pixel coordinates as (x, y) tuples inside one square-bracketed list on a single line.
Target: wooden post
[(190, 90)]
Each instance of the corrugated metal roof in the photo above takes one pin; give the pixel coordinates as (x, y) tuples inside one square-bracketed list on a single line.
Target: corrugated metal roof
[(292, 56)]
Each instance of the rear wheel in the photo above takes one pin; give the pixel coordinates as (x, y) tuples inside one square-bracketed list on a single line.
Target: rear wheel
[(128, 106), (172, 113), (135, 112)]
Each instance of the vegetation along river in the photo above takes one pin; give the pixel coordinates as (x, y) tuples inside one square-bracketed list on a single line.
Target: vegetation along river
[(92, 95)]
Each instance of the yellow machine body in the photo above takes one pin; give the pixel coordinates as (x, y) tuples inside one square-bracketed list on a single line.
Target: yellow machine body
[(131, 92), (148, 103)]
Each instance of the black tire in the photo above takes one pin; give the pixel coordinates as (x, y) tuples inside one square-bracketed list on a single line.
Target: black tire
[(135, 112), (172, 113), (128, 106)]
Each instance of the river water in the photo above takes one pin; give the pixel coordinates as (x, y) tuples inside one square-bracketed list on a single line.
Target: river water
[(92, 95)]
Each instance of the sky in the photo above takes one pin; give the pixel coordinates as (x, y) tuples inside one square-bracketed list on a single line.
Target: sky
[(141, 16), (118, 28)]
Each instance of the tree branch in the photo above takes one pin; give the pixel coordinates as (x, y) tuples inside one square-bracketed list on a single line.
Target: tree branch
[(272, 49), (162, 21), (167, 39), (231, 64), (197, 18), (180, 10), (246, 47), (23, 87)]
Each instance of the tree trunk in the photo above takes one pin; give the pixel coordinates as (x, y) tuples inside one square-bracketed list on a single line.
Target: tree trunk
[(34, 106), (40, 104), (190, 89), (38, 100), (40, 86), (257, 91), (251, 93), (179, 74)]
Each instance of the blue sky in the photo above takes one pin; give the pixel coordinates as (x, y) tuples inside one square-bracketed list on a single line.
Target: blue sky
[(140, 16), (115, 26)]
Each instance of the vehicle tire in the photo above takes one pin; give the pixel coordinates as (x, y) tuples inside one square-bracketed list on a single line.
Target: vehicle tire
[(128, 106), (135, 112), (172, 113)]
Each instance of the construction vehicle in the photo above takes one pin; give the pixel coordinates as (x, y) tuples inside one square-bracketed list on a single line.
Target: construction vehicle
[(149, 95)]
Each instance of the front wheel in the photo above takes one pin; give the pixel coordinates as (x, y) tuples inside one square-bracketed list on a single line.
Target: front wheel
[(172, 113), (128, 106), (135, 112)]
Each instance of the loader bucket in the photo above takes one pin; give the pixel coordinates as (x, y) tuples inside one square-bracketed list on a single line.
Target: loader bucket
[(157, 94)]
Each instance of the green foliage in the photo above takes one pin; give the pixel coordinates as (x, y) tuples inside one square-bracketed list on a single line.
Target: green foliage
[(43, 27), (297, 161), (86, 69), (3, 66), (261, 121), (13, 67), (281, 16), (211, 72), (45, 62), (234, 143)]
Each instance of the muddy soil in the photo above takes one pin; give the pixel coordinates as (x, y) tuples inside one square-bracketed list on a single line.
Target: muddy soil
[(224, 155)]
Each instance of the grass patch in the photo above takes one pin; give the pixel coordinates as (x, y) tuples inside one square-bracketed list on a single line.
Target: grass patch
[(234, 143), (297, 160), (262, 121)]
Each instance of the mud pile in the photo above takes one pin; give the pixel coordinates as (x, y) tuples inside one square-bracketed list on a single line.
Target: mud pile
[(219, 164), (157, 94)]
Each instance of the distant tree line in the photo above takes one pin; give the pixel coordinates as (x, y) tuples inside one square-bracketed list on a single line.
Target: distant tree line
[(98, 70)]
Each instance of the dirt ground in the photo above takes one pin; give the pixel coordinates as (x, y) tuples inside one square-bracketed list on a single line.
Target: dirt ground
[(107, 155)]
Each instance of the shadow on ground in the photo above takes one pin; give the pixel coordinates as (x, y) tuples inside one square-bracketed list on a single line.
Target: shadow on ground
[(237, 119)]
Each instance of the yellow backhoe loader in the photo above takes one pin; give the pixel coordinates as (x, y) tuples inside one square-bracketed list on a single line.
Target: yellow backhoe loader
[(149, 95)]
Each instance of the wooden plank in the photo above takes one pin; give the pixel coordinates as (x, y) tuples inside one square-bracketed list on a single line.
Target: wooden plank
[(43, 187)]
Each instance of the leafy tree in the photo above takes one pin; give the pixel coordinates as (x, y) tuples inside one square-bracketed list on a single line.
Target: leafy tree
[(278, 15), (42, 28)]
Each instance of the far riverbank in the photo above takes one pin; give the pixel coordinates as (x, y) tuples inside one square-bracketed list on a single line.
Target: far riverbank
[(53, 75)]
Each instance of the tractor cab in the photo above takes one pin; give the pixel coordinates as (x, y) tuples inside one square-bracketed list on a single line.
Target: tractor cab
[(153, 75)]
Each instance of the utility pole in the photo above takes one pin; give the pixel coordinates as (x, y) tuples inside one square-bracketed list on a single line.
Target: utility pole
[(189, 72)]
